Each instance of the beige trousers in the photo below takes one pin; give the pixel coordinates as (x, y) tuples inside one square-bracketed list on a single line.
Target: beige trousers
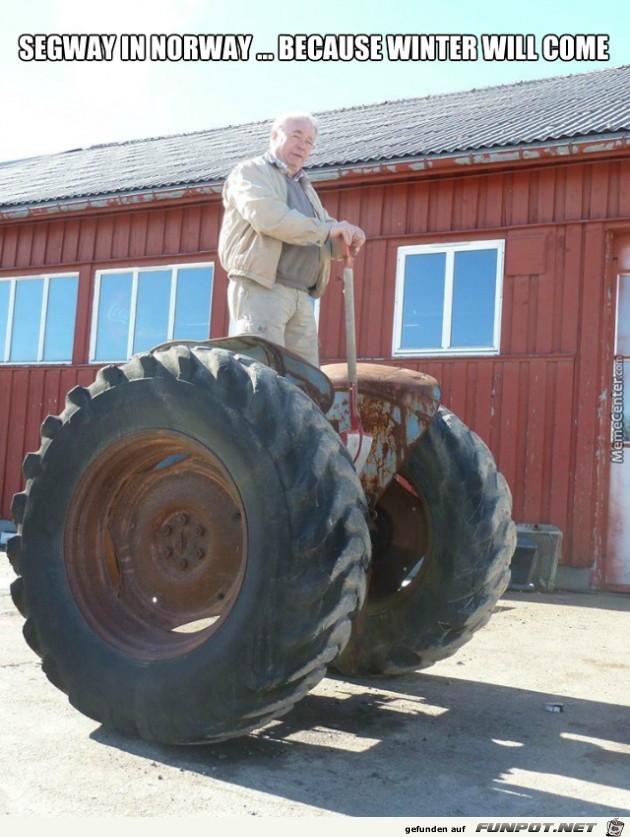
[(280, 314)]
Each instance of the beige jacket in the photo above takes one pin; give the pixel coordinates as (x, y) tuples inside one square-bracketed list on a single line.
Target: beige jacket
[(257, 220)]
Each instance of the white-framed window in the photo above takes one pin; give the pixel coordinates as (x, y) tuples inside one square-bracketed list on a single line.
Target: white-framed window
[(37, 318), (137, 308), (448, 298)]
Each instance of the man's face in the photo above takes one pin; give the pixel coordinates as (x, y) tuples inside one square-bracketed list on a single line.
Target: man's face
[(293, 142)]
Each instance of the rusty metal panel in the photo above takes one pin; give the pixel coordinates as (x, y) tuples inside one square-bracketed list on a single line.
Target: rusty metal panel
[(396, 406)]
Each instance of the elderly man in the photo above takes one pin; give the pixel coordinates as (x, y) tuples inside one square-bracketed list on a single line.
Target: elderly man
[(277, 240)]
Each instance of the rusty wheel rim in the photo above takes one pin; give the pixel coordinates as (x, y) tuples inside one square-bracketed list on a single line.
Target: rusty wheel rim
[(155, 544), (401, 543)]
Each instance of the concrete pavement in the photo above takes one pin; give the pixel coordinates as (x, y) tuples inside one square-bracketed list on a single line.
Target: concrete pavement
[(471, 736)]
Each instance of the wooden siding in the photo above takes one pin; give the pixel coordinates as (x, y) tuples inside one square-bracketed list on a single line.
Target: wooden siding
[(541, 404)]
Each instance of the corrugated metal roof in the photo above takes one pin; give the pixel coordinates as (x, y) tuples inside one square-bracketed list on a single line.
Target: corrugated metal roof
[(555, 109)]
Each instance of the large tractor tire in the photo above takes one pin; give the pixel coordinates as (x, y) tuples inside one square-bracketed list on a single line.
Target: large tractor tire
[(192, 545), (442, 547)]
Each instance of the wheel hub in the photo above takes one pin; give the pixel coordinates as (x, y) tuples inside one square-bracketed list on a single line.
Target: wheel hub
[(155, 543)]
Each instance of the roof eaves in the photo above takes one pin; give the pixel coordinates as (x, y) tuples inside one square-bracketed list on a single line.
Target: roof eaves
[(496, 155), (108, 200), (552, 147)]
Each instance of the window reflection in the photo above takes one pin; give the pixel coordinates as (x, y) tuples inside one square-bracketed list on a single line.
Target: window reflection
[(152, 309), (141, 308), (423, 301), (60, 318), (474, 286), (37, 318), (26, 320), (114, 307)]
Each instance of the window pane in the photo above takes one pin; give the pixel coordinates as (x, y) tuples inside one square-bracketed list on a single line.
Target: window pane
[(26, 320), (154, 295), (474, 284), (5, 290), (423, 302), (623, 317), (113, 316), (60, 318), (192, 307)]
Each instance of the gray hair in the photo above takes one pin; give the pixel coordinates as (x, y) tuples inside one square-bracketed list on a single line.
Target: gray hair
[(303, 116)]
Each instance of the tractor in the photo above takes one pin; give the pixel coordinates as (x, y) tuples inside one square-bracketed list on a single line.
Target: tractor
[(209, 528)]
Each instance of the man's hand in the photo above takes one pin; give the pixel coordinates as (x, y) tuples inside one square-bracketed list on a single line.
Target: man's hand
[(353, 236)]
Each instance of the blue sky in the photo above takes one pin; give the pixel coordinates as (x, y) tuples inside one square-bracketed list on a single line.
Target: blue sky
[(54, 106)]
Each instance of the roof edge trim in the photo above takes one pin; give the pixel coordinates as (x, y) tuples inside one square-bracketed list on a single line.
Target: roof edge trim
[(590, 145)]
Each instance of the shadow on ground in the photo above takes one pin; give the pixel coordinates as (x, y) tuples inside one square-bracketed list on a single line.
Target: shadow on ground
[(424, 745)]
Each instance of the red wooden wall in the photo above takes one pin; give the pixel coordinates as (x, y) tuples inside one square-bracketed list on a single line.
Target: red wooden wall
[(541, 405)]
